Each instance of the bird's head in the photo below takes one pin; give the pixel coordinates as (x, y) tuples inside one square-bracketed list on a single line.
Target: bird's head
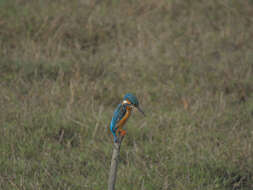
[(132, 101)]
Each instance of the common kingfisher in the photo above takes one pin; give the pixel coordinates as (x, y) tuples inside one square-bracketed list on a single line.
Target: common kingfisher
[(122, 113)]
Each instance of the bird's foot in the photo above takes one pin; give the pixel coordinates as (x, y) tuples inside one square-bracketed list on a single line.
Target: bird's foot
[(122, 133)]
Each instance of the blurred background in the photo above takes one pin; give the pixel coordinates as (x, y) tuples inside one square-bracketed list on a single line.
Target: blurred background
[(65, 65)]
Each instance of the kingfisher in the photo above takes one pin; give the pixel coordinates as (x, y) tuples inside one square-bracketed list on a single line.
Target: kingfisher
[(121, 115)]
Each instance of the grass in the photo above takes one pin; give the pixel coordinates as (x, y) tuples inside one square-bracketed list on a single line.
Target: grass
[(65, 66)]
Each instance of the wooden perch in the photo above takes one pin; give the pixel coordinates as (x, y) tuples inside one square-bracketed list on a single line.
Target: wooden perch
[(114, 165)]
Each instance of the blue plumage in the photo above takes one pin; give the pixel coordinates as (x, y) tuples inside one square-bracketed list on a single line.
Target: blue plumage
[(119, 113), (132, 99), (122, 112)]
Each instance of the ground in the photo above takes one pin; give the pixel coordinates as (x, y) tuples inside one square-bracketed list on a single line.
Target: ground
[(65, 65)]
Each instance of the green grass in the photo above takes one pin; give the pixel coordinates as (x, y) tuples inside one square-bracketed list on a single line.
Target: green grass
[(66, 65)]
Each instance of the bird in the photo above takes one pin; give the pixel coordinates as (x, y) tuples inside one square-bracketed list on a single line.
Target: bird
[(121, 115)]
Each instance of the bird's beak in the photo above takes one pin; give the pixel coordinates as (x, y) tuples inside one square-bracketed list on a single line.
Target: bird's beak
[(140, 110)]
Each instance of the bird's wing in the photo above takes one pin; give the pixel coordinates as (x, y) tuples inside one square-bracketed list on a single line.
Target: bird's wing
[(119, 113)]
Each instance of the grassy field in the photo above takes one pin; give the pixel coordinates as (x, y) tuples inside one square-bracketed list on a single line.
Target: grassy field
[(65, 65)]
